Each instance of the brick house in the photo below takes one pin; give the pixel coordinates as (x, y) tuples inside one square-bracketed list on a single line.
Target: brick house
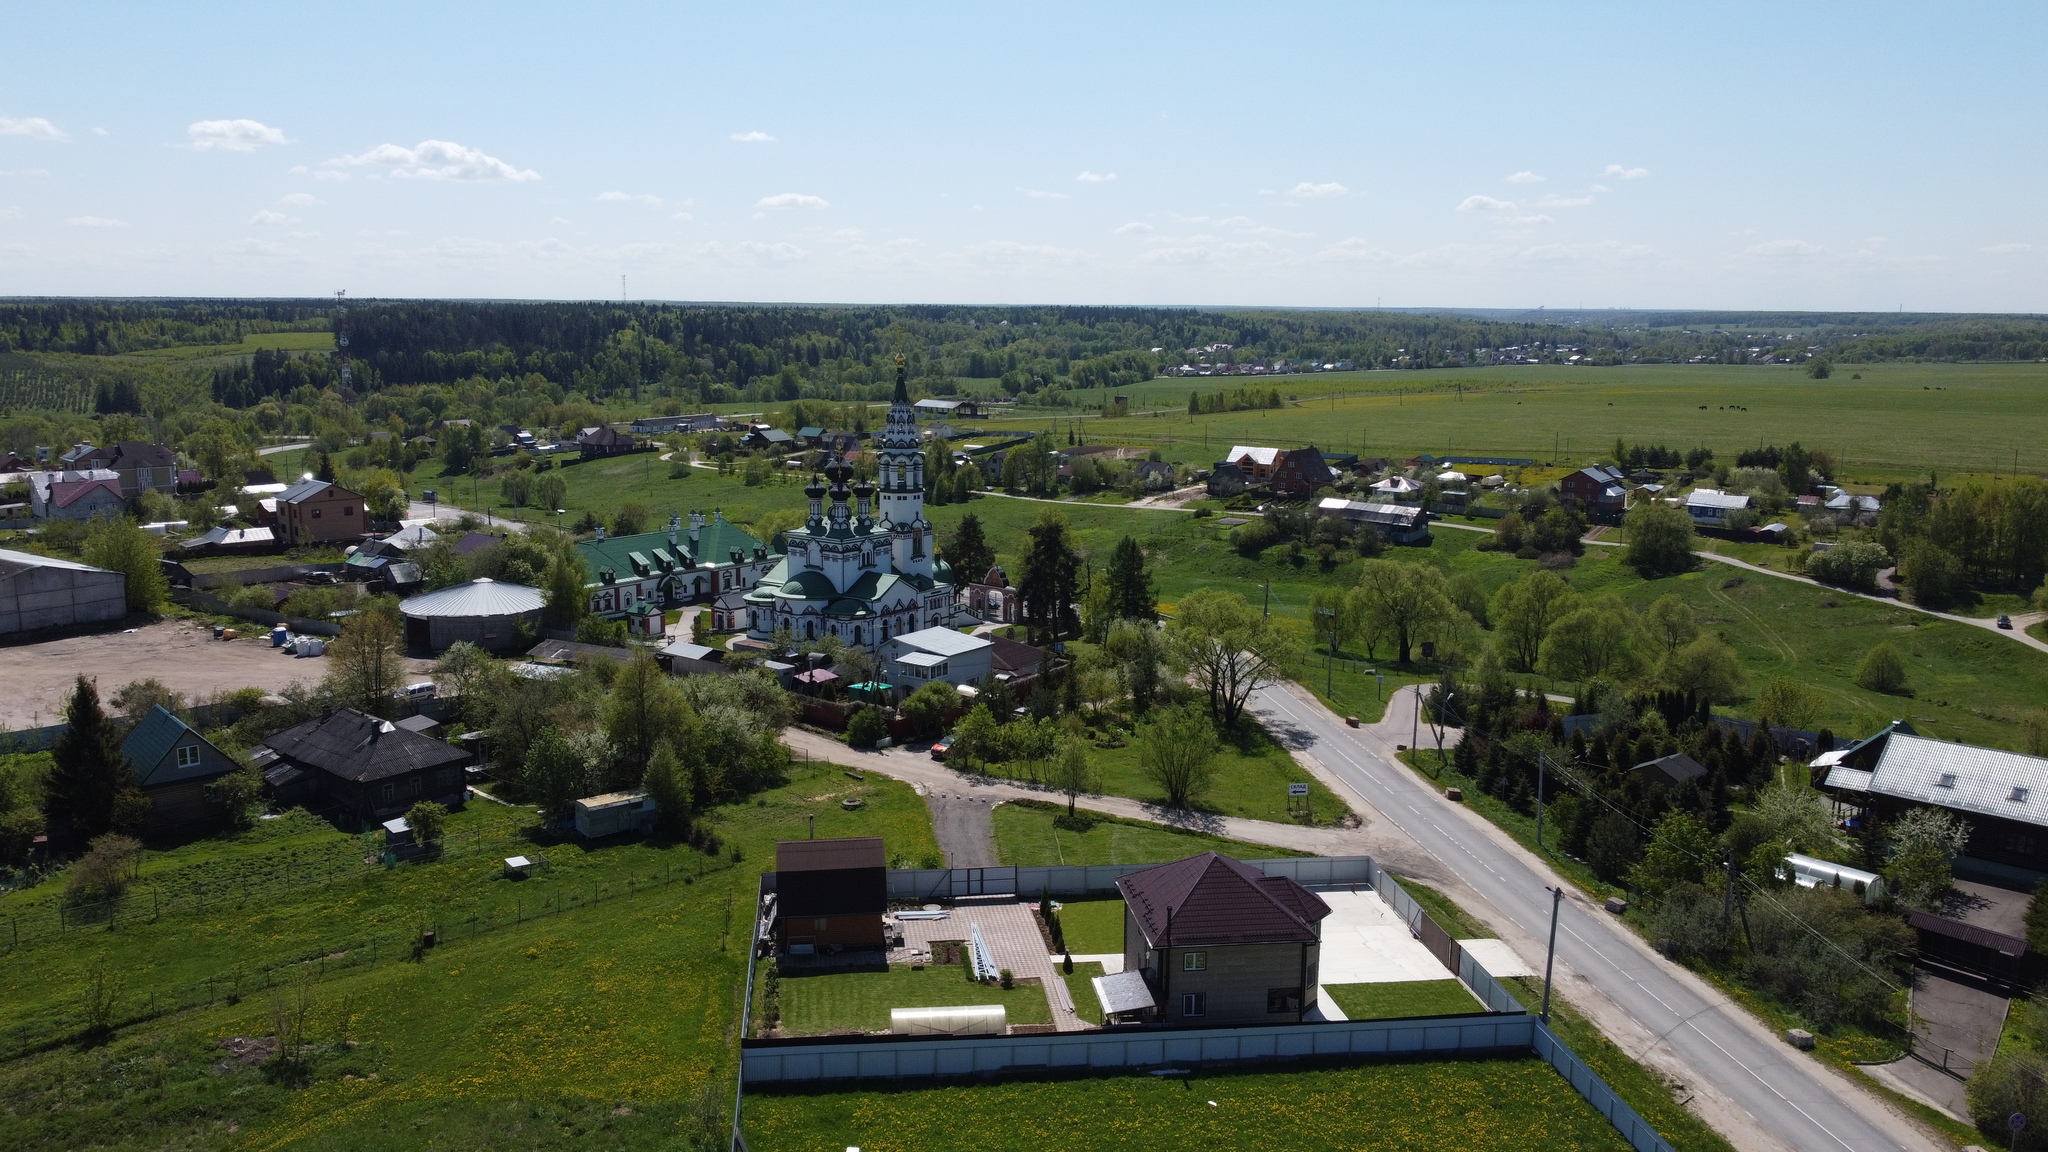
[(1221, 942), (75, 495), (592, 443), (142, 466), (319, 512), (830, 894), (1597, 491), (1299, 472)]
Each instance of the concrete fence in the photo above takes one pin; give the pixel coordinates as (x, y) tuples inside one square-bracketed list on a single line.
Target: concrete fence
[(213, 604), (805, 1060)]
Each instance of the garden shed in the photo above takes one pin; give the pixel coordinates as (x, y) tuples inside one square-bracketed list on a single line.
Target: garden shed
[(613, 813), (830, 894), (492, 615)]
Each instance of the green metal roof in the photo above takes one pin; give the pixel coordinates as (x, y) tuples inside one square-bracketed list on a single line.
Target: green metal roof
[(153, 739), (714, 545)]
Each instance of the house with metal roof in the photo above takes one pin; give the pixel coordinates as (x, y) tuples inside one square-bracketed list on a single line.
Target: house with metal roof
[(1399, 523), (75, 495), (361, 767), (866, 571), (2003, 796), (491, 614), (320, 511), (1711, 507), (673, 568), (915, 658), (1221, 942), (830, 894), (173, 765), (1596, 490)]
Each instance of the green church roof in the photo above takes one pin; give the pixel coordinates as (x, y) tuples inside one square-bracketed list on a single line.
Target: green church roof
[(715, 544)]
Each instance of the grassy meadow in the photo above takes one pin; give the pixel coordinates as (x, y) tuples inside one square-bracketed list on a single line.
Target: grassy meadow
[(593, 1020), (1395, 999), (817, 1004), (1466, 1105), (1900, 419), (1029, 834)]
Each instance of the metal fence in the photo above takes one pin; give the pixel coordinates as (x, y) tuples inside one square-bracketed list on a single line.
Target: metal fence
[(1594, 1090)]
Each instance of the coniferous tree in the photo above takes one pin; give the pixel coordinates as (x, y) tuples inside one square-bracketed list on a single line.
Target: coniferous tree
[(1130, 585), (969, 553), (90, 772)]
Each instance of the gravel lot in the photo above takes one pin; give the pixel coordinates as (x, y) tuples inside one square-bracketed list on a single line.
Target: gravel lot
[(35, 679)]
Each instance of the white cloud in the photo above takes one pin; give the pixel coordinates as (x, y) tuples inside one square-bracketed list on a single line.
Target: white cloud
[(301, 200), (1525, 177), (1564, 202), (233, 135), (753, 138), (1781, 249), (1620, 173), (99, 131), (1133, 226), (1011, 253), (683, 216), (10, 213), (266, 216), (635, 197), (434, 160), (1995, 249), (1035, 194), (1095, 177), (1485, 204), (25, 172), (95, 222), (34, 126), (1602, 188), (1193, 254), (792, 200), (1308, 191)]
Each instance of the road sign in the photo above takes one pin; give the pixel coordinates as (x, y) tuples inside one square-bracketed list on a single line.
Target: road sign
[(2016, 1121), (1297, 789)]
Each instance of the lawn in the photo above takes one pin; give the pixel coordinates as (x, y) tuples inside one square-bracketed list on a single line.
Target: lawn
[(1081, 990), (1466, 1105), (534, 1020), (1093, 927), (1401, 998), (814, 1005), (1029, 834), (243, 561)]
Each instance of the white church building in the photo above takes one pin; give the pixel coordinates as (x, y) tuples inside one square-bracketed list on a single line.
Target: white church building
[(866, 572)]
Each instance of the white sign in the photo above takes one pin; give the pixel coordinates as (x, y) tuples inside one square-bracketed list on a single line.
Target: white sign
[(1297, 789)]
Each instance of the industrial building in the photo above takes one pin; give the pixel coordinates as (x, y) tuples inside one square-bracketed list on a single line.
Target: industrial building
[(492, 615), (38, 592)]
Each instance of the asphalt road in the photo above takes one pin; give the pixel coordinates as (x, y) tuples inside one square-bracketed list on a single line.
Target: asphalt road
[(1794, 1099)]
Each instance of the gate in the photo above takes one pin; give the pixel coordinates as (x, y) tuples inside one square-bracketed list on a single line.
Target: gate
[(982, 881)]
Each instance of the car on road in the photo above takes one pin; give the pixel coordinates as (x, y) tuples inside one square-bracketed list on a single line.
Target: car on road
[(943, 746), (2005, 622)]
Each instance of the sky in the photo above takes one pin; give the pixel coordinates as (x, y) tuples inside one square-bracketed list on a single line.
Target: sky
[(1870, 156)]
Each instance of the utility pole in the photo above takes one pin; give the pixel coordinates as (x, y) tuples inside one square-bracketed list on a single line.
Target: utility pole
[(1550, 960), (1541, 763)]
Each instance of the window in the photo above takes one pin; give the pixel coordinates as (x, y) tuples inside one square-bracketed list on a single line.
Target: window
[(316, 513), (388, 793), (1194, 961), (1283, 999), (1948, 780), (820, 924), (1194, 1003), (2019, 794), (188, 756), (348, 510), (416, 785)]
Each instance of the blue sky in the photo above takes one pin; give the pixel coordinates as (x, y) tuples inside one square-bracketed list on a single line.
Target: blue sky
[(1867, 156)]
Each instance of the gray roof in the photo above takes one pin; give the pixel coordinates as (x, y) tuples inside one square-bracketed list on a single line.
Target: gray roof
[(1964, 777), (685, 650), (1713, 498), (482, 596), (1123, 992), (12, 562), (943, 641)]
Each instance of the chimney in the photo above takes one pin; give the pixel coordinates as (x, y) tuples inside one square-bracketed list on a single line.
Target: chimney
[(675, 525), (600, 531), (696, 524)]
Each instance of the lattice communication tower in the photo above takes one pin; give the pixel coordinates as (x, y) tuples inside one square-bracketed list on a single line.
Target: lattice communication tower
[(341, 333)]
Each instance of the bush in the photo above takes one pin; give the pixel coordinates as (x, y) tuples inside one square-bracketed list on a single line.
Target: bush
[(104, 871), (2016, 1081), (1687, 925), (1881, 670), (1253, 538), (928, 707), (428, 821), (866, 727), (1854, 564)]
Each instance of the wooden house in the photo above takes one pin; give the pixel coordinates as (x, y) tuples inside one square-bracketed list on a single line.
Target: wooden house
[(173, 765)]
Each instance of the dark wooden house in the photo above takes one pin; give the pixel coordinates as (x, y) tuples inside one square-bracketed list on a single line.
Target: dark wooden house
[(830, 894), (360, 766), (173, 765)]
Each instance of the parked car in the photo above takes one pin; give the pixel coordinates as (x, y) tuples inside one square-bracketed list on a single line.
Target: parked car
[(944, 745), (2005, 622)]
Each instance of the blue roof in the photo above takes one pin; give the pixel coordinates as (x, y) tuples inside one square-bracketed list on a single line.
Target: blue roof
[(153, 739)]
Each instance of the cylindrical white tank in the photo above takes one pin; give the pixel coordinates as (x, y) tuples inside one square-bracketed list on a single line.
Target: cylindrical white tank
[(964, 1020)]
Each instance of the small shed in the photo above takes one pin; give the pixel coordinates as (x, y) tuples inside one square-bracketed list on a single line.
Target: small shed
[(173, 765), (1671, 770), (614, 813), (683, 658), (492, 615), (1124, 996), (830, 894)]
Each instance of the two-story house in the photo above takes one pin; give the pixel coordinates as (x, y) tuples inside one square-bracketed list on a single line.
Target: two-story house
[(320, 512), (1218, 941)]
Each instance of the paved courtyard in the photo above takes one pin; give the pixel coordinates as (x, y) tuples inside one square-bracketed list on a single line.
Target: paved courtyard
[(1010, 929), (1364, 942)]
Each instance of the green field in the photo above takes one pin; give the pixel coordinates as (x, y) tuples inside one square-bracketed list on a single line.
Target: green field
[(814, 1005), (1961, 417), (275, 341), (1028, 834), (1467, 1106), (610, 982), (1402, 998)]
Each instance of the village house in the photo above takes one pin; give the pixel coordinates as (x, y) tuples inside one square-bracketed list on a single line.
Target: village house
[(768, 439), (601, 441), (1398, 523), (320, 512), (917, 658), (141, 466), (75, 495), (173, 766), (830, 894), (2002, 796), (1298, 472), (661, 425), (361, 766), (936, 409), (1596, 491), (1711, 508), (1221, 942)]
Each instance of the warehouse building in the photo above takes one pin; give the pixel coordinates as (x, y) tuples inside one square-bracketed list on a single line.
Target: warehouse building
[(494, 616), (38, 592)]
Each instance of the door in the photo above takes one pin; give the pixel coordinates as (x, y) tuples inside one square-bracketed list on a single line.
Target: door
[(983, 881)]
